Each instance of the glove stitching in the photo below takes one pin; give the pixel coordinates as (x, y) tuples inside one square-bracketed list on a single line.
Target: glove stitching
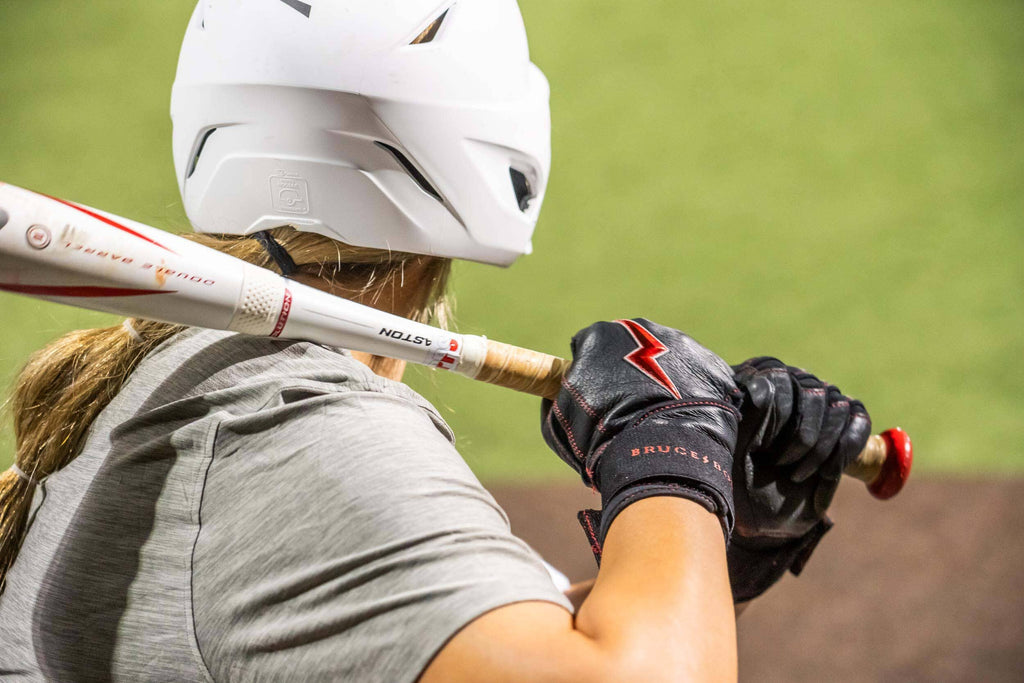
[(590, 466), (595, 543), (562, 453), (583, 403), (686, 404), (568, 432)]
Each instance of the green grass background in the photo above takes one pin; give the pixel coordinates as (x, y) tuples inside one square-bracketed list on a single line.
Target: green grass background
[(839, 184)]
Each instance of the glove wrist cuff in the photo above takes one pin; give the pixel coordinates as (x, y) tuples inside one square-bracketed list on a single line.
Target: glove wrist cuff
[(707, 499), (665, 459)]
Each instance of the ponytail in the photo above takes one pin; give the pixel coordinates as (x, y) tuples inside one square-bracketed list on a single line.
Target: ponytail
[(58, 395)]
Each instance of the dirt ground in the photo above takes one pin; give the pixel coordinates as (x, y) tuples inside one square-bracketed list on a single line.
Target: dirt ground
[(926, 587)]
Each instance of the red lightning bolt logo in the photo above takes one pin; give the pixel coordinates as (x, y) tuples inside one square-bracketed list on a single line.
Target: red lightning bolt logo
[(645, 357)]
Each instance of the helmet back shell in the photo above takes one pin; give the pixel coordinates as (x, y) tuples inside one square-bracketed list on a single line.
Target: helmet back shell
[(412, 125)]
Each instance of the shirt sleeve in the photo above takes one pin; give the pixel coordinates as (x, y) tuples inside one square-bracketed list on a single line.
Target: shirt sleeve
[(343, 538)]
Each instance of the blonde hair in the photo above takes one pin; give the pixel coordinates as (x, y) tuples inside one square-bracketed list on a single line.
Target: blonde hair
[(65, 385)]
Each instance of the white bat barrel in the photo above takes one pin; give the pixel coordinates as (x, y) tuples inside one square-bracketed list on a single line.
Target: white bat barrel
[(75, 255), (83, 257)]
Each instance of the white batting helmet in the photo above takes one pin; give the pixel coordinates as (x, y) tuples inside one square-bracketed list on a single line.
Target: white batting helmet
[(413, 125)]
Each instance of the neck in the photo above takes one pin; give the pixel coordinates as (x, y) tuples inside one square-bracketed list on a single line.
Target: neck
[(388, 368)]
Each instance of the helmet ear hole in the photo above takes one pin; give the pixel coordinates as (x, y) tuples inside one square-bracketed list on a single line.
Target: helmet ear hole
[(521, 186)]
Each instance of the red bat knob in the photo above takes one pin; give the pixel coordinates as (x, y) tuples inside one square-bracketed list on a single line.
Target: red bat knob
[(899, 457)]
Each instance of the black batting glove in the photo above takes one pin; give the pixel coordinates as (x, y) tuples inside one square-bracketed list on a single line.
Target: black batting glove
[(645, 411), (796, 437)]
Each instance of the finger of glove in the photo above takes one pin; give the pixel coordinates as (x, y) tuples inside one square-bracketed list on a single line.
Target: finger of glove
[(767, 408), (755, 376), (851, 442), (855, 435), (768, 403), (808, 416), (782, 402), (759, 363), (754, 414), (837, 415), (748, 369), (755, 367)]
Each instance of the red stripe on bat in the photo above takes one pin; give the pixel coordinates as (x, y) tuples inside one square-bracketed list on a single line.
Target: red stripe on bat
[(78, 292), (108, 221), (282, 318)]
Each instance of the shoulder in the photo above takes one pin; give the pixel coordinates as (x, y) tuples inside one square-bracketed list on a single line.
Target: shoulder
[(269, 381), (294, 416)]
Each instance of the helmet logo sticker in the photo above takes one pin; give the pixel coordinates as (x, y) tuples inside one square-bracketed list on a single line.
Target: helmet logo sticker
[(299, 6), (289, 193)]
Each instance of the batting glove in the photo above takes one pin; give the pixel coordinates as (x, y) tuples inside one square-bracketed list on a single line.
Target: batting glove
[(645, 411)]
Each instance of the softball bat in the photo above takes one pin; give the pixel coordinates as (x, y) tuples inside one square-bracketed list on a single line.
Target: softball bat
[(71, 254)]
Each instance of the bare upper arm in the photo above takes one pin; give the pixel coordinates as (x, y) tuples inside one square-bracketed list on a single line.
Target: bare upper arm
[(526, 641), (660, 610)]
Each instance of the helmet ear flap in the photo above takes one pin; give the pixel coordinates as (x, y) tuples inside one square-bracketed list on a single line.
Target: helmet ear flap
[(514, 179)]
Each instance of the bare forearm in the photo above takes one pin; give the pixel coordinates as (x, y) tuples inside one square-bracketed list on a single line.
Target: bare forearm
[(662, 594), (578, 592)]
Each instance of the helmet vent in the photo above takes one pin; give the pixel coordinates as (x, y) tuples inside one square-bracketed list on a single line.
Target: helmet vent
[(430, 32), (301, 7), (521, 186), (410, 169), (199, 150)]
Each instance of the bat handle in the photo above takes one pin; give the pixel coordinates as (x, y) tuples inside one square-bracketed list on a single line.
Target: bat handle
[(513, 367), (883, 465)]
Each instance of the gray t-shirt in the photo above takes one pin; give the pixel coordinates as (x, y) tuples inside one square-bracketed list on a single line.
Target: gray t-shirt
[(248, 509)]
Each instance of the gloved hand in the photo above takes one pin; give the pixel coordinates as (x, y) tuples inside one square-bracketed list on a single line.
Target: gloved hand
[(645, 411), (796, 436)]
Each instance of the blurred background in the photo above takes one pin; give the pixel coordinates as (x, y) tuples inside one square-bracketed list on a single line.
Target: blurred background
[(837, 184)]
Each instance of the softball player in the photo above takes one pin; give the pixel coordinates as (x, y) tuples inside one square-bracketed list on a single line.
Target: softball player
[(198, 505)]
